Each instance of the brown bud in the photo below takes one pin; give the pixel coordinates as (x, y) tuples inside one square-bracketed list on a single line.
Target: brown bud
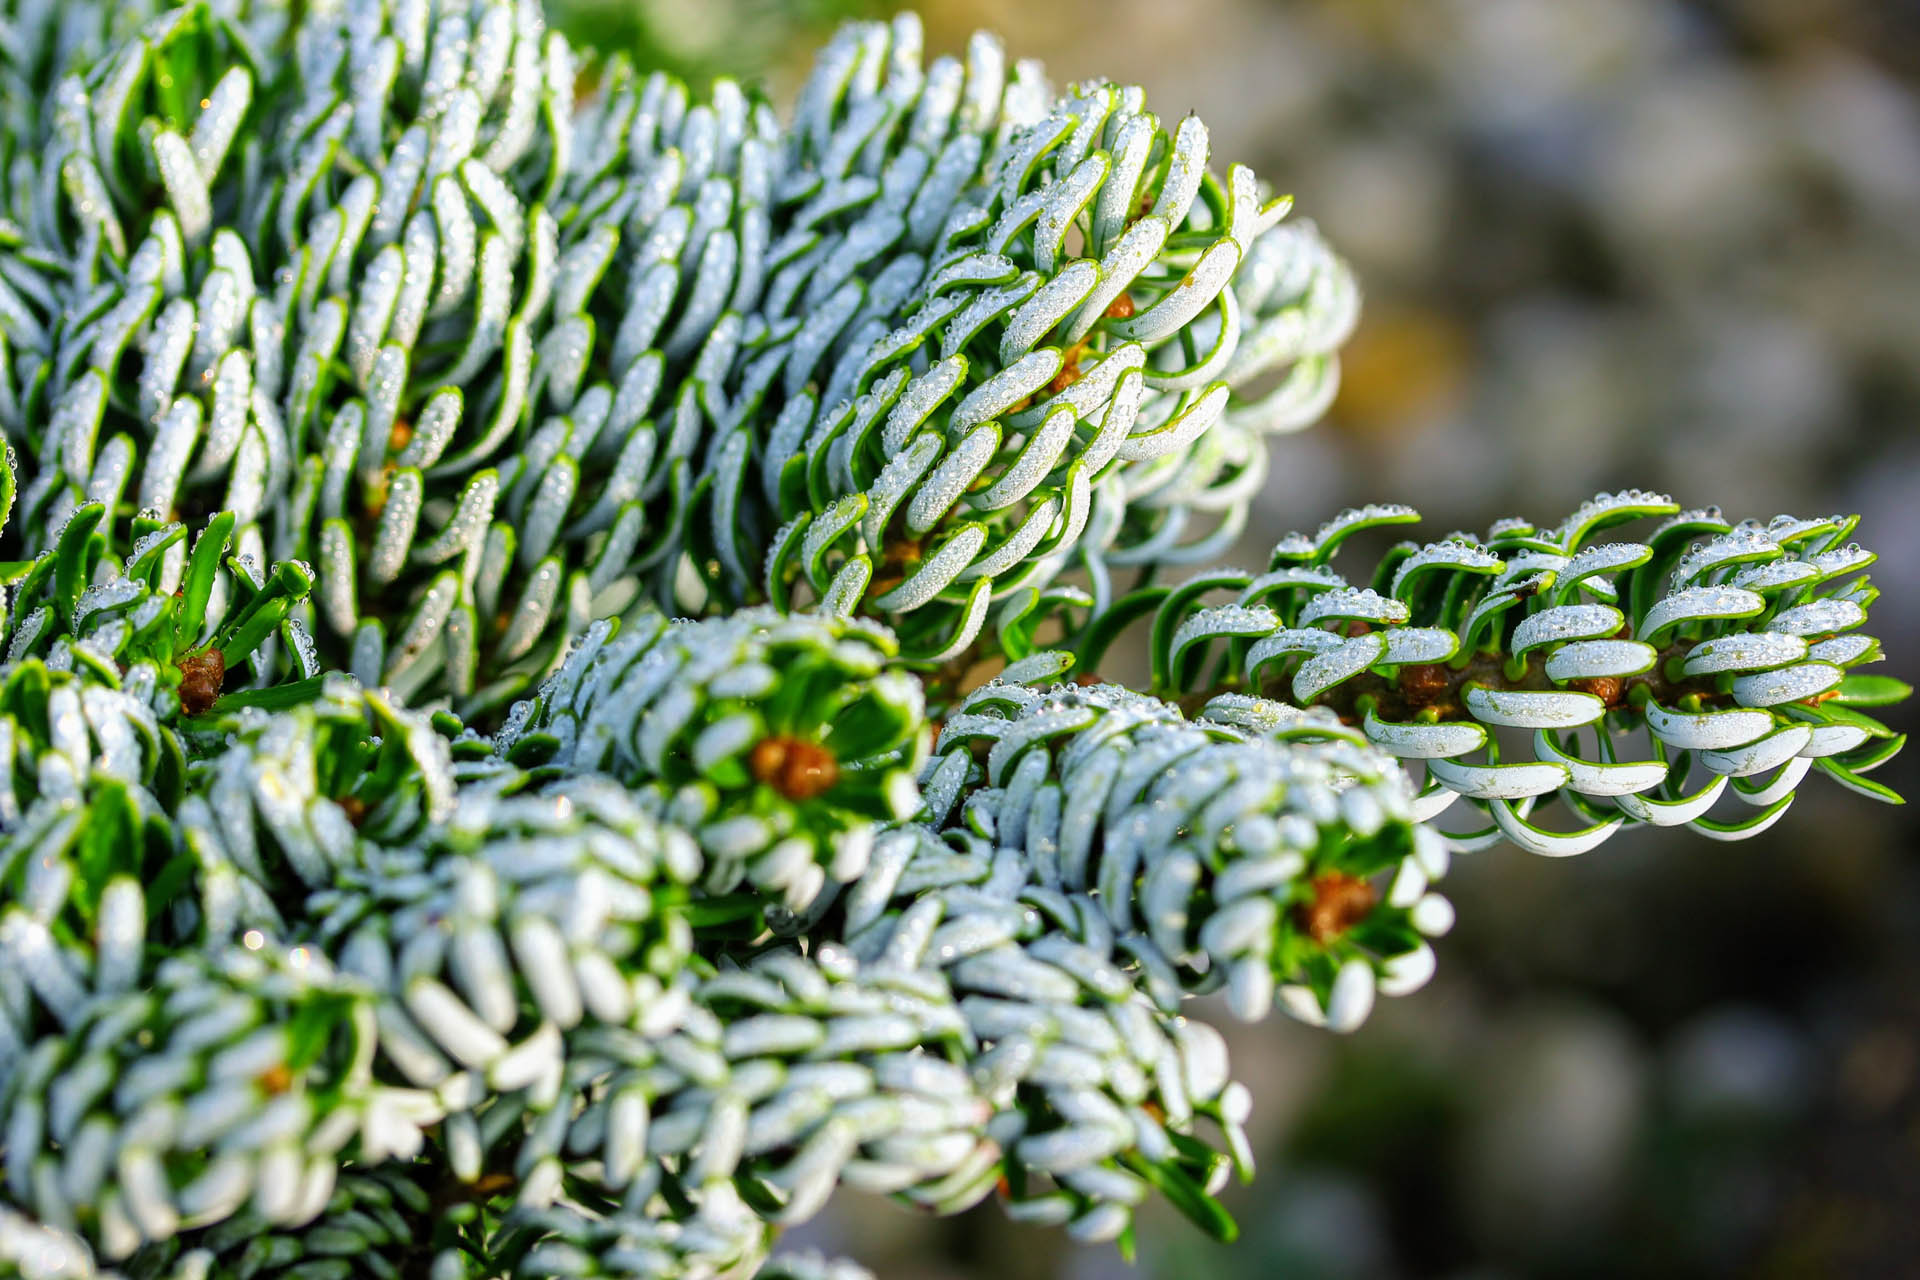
[(1121, 308), (1340, 901), (275, 1080), (1608, 689), (201, 675), (796, 768)]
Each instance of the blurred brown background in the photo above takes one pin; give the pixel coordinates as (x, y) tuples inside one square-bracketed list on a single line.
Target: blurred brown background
[(1668, 243)]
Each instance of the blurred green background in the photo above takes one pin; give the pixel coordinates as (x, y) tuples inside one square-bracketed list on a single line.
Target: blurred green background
[(1670, 243)]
